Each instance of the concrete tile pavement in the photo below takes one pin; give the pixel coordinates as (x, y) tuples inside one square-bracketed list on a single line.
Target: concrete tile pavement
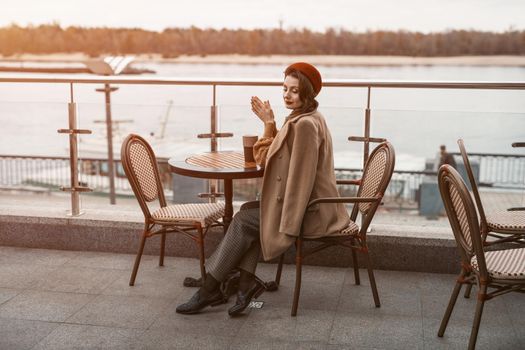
[(52, 299)]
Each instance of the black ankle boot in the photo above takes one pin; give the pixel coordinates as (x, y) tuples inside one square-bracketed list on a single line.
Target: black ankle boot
[(244, 298), (200, 300)]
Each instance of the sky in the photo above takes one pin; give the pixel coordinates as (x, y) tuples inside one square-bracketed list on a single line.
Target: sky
[(356, 15)]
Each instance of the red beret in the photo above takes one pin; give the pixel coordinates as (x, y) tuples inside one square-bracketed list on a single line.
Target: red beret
[(310, 72)]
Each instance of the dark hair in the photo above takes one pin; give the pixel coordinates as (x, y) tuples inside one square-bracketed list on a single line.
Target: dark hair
[(306, 92)]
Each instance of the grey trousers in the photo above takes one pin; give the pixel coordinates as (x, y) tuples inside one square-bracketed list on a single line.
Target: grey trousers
[(240, 247)]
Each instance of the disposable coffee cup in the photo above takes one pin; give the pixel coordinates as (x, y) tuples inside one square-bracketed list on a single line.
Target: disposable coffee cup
[(248, 141)]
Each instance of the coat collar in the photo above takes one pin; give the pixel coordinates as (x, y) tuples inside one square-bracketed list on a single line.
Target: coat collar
[(295, 118), (283, 133)]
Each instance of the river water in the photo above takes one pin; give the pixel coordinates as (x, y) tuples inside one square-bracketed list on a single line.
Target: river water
[(416, 121)]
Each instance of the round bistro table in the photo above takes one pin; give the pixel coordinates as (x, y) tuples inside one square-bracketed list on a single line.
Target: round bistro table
[(221, 165)]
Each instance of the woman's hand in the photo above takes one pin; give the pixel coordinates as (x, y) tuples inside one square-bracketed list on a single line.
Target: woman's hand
[(263, 110)]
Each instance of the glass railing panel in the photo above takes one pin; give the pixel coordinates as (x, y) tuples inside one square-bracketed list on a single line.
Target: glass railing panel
[(171, 130), (34, 93), (343, 123), (417, 136), (412, 197), (459, 100), (31, 150), (171, 122), (30, 128)]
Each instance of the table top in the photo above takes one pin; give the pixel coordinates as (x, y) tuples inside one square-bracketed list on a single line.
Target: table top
[(216, 165)]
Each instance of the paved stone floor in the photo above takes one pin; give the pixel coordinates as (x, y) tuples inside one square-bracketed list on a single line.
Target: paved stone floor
[(81, 300)]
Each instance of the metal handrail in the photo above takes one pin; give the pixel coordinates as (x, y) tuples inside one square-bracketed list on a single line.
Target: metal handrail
[(496, 155), (487, 85)]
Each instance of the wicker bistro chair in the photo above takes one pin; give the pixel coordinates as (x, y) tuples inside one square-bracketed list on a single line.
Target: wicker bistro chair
[(140, 166), (372, 186), (504, 226), (502, 270)]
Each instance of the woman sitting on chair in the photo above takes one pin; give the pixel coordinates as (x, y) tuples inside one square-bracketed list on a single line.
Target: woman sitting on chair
[(299, 167)]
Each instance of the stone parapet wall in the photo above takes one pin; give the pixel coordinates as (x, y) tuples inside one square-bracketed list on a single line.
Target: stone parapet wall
[(392, 247)]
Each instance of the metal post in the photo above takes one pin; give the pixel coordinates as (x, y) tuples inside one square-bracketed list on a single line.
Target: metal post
[(366, 139), (366, 145), (213, 135), (109, 132), (72, 131), (73, 160), (213, 140), (213, 120)]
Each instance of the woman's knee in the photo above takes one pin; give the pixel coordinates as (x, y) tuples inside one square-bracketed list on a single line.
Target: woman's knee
[(244, 220), (244, 216), (250, 205)]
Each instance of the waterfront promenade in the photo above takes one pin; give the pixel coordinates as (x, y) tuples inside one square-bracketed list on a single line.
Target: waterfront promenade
[(52, 299)]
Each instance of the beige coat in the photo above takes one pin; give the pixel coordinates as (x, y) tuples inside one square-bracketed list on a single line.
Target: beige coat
[(299, 168)]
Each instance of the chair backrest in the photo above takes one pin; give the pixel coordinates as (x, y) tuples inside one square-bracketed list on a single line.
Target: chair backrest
[(474, 186), (140, 166), (376, 177), (462, 216)]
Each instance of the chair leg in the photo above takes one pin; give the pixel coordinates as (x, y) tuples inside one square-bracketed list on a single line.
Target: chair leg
[(356, 267), (467, 291), (137, 259), (450, 307), (202, 258), (477, 317), (298, 271), (279, 270), (162, 248), (372, 279)]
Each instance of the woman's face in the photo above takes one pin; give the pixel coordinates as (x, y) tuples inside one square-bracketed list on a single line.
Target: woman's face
[(291, 93)]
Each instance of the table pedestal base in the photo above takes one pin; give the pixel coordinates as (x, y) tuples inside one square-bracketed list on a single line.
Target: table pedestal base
[(228, 204)]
